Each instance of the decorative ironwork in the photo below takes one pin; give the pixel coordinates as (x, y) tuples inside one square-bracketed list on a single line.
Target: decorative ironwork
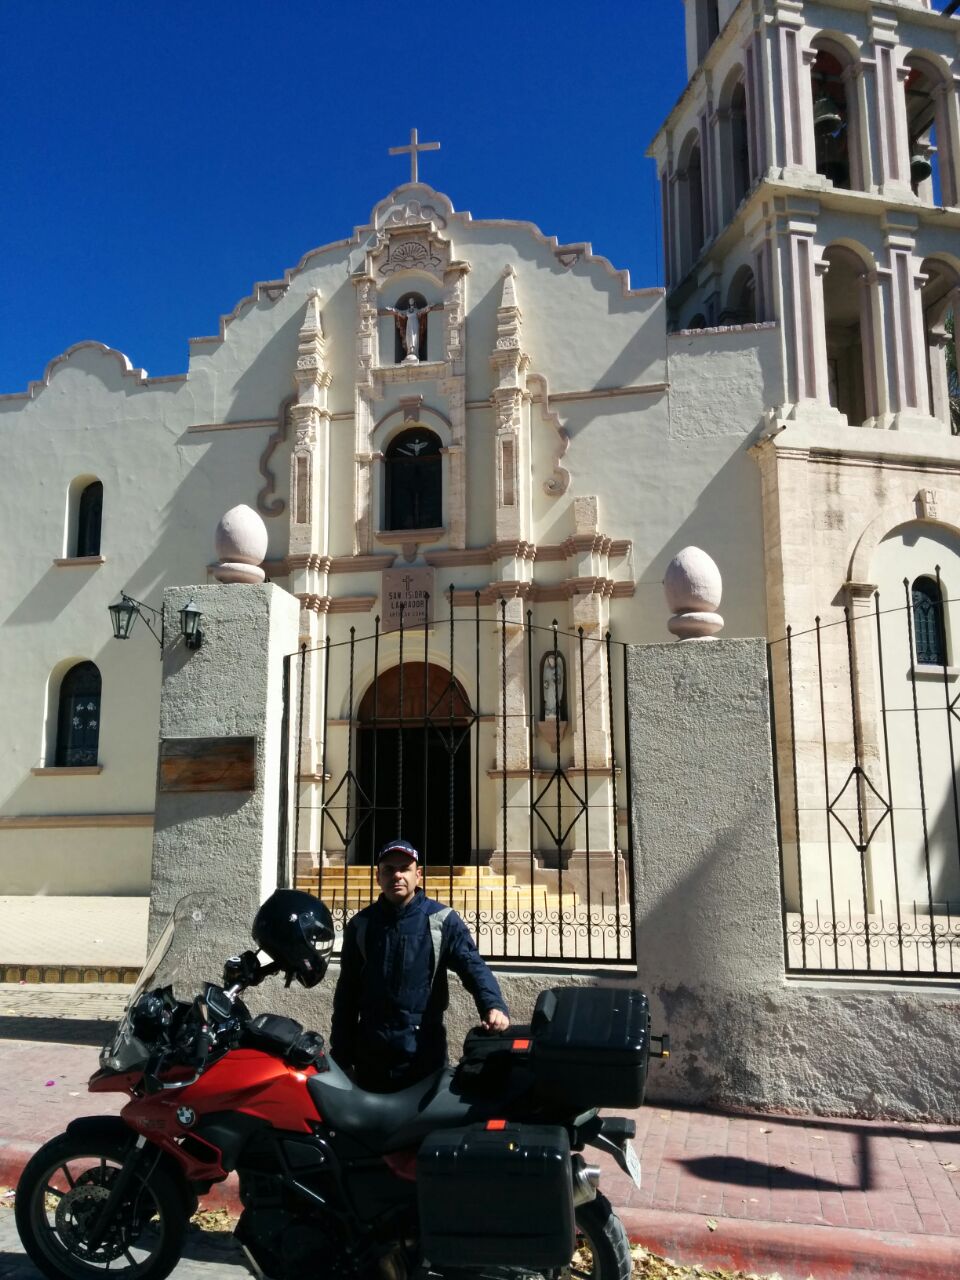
[(407, 718), (867, 791)]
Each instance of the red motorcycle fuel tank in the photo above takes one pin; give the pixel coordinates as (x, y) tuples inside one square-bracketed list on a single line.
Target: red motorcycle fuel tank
[(244, 1080)]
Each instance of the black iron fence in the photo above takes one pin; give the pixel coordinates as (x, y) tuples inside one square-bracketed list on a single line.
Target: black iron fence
[(866, 708), (490, 743)]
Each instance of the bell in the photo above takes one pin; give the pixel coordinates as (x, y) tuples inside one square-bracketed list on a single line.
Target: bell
[(826, 117), (920, 168)]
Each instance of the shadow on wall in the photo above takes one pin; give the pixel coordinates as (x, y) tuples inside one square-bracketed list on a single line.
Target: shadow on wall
[(47, 599)]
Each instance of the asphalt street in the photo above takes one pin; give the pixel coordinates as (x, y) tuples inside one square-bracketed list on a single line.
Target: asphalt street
[(210, 1255)]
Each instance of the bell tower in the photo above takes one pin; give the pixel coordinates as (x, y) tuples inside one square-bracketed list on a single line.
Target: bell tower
[(810, 177)]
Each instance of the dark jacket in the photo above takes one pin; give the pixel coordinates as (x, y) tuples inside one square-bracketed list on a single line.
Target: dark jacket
[(388, 1007)]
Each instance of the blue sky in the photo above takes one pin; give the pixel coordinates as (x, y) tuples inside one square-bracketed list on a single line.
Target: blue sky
[(159, 157)]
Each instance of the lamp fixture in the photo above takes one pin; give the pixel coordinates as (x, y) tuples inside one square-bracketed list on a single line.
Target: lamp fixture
[(190, 617), (124, 614)]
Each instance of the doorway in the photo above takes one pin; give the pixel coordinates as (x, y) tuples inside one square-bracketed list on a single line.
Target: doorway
[(413, 764)]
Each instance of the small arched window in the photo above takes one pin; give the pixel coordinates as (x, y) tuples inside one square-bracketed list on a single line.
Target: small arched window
[(413, 490), (929, 633), (89, 518), (78, 717)]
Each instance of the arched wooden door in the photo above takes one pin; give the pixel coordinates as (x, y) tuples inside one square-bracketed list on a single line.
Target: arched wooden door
[(413, 764)]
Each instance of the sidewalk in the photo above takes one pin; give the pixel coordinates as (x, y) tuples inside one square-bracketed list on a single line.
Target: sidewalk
[(89, 940), (797, 1195)]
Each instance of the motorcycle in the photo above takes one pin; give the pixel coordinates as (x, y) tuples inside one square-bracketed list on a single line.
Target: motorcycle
[(475, 1172)]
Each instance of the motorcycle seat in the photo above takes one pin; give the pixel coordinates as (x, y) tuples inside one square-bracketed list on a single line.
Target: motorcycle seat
[(386, 1122)]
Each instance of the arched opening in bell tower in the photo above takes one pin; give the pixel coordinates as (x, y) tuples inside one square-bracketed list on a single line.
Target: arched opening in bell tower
[(736, 163), (940, 298), (848, 322), (835, 115), (692, 222), (929, 101)]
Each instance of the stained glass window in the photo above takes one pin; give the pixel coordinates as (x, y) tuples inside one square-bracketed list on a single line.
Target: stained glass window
[(928, 630), (78, 718)]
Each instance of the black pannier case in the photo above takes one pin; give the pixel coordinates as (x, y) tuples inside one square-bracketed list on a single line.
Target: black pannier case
[(491, 1197), (591, 1045)]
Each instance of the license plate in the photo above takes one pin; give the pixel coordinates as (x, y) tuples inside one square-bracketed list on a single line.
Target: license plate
[(632, 1161)]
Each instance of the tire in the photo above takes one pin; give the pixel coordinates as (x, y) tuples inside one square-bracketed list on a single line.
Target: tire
[(58, 1197), (603, 1231)]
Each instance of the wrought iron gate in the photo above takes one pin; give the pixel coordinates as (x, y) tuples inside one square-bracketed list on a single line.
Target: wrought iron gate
[(492, 744), (866, 730)]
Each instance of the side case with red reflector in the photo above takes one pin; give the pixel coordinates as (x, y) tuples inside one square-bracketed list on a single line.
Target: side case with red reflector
[(496, 1195)]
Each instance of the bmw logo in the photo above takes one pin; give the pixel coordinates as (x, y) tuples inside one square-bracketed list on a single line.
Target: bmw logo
[(186, 1116)]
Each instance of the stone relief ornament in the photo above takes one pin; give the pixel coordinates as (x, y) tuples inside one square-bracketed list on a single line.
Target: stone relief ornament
[(406, 213), (410, 255)]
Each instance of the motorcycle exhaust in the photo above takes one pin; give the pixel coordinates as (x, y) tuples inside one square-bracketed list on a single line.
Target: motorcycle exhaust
[(586, 1180)]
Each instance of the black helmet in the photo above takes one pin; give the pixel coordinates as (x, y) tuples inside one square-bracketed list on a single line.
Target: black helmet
[(296, 930)]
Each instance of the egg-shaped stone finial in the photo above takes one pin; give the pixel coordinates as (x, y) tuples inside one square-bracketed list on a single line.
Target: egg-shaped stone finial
[(693, 587), (241, 546)]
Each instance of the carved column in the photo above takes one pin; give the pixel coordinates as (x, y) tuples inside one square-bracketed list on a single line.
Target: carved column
[(802, 308), (308, 557), (454, 387), (367, 357), (509, 363)]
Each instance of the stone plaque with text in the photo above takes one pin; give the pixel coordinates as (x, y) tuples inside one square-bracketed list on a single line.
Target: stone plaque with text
[(412, 589)]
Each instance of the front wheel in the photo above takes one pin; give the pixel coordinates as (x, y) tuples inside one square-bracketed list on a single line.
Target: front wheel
[(59, 1198)]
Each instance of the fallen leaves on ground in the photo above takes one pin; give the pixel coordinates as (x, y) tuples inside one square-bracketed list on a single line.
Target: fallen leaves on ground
[(214, 1220), (6, 1198), (647, 1266)]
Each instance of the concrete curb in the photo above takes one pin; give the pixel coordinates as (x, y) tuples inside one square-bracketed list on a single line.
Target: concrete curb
[(796, 1252)]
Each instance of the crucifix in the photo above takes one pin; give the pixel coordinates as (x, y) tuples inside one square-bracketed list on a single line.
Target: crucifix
[(413, 149)]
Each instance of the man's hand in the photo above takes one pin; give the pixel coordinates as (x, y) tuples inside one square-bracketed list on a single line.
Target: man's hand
[(495, 1020)]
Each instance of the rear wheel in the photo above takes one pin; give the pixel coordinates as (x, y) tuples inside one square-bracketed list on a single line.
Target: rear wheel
[(60, 1196)]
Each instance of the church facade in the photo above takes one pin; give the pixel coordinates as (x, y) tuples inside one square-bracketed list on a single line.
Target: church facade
[(476, 450)]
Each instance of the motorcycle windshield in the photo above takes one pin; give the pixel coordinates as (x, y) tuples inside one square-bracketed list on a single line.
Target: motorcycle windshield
[(164, 966)]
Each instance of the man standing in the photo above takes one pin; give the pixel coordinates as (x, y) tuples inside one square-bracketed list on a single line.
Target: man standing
[(388, 1008)]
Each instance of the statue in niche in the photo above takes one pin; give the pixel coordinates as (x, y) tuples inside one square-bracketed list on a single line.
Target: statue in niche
[(411, 324), (553, 693)]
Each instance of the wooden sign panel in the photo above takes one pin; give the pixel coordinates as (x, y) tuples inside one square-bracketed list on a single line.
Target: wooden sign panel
[(207, 764), (412, 588)]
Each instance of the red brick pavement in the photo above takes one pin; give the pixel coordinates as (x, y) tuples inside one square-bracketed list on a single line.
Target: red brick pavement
[(797, 1194)]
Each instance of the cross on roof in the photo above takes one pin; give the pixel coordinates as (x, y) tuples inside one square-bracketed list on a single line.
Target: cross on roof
[(413, 149)]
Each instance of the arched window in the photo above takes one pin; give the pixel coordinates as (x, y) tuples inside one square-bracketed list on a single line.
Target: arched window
[(413, 489), (929, 633), (940, 295), (89, 517), (78, 717)]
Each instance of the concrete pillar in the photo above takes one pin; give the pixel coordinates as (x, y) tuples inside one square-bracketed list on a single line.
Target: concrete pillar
[(222, 842), (705, 844)]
